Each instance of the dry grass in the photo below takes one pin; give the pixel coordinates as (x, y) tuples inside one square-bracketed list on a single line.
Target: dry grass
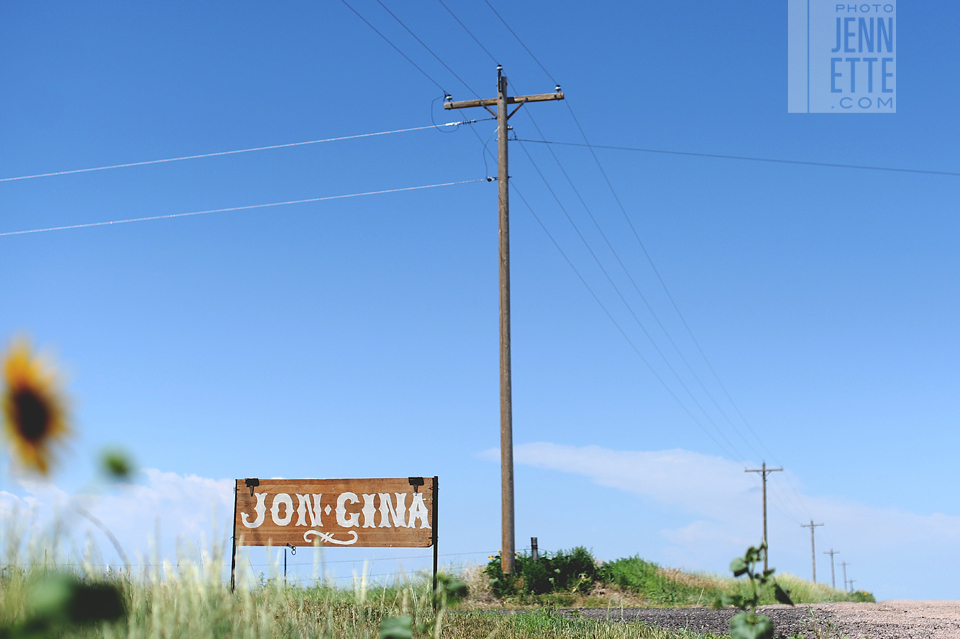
[(704, 582)]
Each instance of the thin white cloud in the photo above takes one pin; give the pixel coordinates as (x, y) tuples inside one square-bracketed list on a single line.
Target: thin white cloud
[(697, 483), (721, 503), (182, 507)]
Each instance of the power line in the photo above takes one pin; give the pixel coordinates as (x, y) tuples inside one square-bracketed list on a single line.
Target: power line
[(732, 449), (470, 33), (258, 148), (651, 309), (831, 165), (793, 498), (696, 342), (646, 253), (660, 279), (526, 48), (663, 284), (534, 57), (243, 208), (615, 323), (429, 50), (396, 48)]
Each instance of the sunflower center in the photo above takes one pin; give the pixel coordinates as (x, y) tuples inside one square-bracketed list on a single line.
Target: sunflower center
[(33, 415)]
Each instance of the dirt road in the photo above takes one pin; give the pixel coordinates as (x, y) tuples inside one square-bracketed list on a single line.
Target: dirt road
[(884, 620)]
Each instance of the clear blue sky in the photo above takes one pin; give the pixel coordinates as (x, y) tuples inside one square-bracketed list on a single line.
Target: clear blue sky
[(358, 337)]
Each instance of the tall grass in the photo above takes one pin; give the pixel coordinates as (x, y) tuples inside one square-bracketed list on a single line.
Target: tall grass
[(193, 604), (193, 600), (668, 587), (575, 579)]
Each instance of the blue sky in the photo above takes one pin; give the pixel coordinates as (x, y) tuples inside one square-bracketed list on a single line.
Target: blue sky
[(358, 337)]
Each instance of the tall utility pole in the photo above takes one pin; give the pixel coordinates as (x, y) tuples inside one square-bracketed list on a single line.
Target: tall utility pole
[(833, 580), (844, 565), (764, 471), (813, 550), (508, 546)]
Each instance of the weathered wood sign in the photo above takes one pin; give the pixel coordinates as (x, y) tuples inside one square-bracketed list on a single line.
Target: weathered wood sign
[(335, 512), (399, 512)]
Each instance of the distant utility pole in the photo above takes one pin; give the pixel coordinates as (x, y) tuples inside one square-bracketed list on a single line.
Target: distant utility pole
[(851, 585), (832, 552), (813, 550), (844, 565), (764, 471), (508, 547)]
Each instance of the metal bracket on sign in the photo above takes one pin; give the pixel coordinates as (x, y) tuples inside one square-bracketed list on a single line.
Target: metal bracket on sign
[(416, 482)]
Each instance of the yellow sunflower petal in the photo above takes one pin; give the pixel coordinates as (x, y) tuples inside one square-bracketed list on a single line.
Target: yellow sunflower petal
[(34, 415)]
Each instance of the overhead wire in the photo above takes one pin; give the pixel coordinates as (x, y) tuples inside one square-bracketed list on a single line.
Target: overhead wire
[(243, 208), (429, 50), (395, 47), (533, 56), (732, 449), (650, 308), (410, 31), (613, 319), (234, 152), (656, 271), (446, 66), (633, 229), (522, 44), (831, 165), (670, 297), (470, 33), (610, 246), (652, 264), (777, 489)]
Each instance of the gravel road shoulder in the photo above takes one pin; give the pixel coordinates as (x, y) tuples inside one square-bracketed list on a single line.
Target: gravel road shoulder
[(884, 620)]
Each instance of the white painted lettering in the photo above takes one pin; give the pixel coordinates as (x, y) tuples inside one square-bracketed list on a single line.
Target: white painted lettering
[(303, 508), (369, 510), (418, 510), (353, 521), (260, 509), (284, 499), (388, 512)]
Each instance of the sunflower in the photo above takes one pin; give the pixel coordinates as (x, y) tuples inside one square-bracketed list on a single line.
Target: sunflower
[(34, 415)]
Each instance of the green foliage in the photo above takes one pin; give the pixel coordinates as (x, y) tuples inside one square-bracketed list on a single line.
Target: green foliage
[(117, 465), (646, 580), (573, 571), (658, 587), (60, 602), (862, 596), (748, 624), (448, 590), (397, 627)]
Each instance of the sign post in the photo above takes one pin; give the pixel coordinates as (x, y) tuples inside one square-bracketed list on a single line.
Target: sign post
[(360, 513)]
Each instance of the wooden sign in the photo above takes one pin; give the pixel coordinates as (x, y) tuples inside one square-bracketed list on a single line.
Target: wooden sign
[(336, 512)]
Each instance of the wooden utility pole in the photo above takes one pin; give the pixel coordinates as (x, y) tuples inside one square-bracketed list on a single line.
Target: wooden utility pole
[(833, 580), (508, 545), (764, 471), (844, 565), (813, 551)]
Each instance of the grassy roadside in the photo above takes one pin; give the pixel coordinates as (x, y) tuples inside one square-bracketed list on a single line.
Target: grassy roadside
[(670, 587), (196, 604), (192, 600), (573, 579)]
